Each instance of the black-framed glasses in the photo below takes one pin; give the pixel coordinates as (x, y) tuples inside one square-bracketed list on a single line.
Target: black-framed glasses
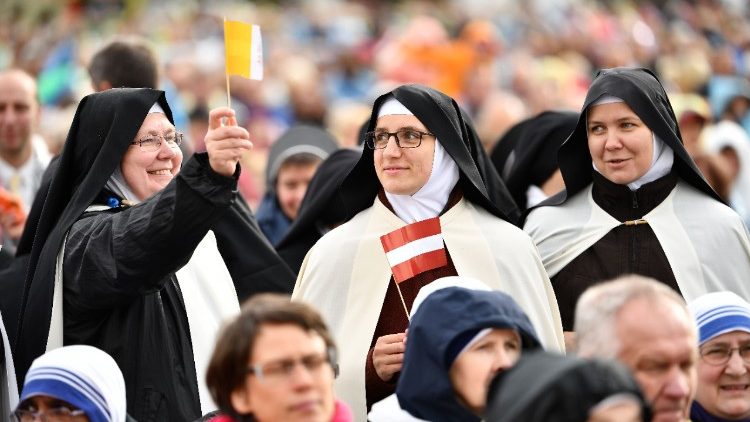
[(405, 138), (56, 414), (719, 355), (152, 143), (281, 370)]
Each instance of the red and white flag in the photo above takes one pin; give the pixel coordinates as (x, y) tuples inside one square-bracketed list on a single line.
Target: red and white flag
[(415, 248)]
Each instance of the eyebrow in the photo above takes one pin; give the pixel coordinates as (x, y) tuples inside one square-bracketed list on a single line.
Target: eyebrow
[(166, 132), (382, 129)]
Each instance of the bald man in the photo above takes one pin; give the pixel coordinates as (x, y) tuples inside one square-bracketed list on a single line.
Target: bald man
[(23, 154)]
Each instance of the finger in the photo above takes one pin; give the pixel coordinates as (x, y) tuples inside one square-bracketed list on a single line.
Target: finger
[(229, 143), (389, 360), (389, 349), (216, 115), (391, 338), (227, 132)]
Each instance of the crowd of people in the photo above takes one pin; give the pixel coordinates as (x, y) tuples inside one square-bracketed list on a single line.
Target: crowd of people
[(479, 211)]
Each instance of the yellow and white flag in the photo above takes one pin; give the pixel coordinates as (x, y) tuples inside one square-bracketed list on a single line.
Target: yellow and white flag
[(244, 50)]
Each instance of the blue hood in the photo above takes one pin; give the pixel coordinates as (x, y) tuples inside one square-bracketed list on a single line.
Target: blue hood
[(424, 387)]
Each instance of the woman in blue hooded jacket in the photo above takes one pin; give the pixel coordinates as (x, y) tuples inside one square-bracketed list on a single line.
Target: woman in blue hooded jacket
[(460, 335)]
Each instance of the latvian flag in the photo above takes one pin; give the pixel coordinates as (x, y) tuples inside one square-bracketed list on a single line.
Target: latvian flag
[(414, 249)]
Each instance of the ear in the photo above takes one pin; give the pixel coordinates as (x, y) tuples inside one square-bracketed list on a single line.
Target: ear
[(241, 402)]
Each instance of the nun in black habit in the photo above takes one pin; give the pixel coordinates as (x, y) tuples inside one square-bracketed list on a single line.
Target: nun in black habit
[(347, 275), (140, 256), (526, 156), (635, 202)]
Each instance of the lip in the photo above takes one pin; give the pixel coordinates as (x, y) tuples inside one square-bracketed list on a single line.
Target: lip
[(738, 388), (163, 172), (617, 162), (306, 406), (393, 169)]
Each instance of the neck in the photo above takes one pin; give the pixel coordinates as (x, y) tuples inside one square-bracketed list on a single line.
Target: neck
[(17, 158)]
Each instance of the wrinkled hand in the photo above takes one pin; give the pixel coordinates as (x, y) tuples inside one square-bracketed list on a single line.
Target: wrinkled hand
[(388, 355), (225, 144)]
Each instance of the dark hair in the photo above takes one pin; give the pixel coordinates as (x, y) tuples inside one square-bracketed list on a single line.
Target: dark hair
[(226, 370), (125, 64)]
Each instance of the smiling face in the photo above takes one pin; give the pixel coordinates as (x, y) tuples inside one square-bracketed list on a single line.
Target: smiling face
[(403, 171), (620, 144), (724, 390), (474, 368), (148, 172)]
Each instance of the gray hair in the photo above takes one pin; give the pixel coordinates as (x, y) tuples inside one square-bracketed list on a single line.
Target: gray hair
[(599, 306)]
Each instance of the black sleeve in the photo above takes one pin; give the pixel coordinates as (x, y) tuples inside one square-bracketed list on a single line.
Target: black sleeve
[(252, 261), (113, 257)]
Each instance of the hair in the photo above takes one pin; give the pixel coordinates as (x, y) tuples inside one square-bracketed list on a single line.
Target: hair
[(599, 306), (124, 64), (226, 370), (301, 159)]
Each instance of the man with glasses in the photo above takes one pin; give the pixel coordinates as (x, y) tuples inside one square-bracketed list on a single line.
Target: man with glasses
[(723, 391), (646, 325), (421, 205)]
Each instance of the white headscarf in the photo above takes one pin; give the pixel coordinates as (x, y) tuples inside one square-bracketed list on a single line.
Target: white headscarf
[(116, 182), (662, 157), (83, 376), (431, 198)]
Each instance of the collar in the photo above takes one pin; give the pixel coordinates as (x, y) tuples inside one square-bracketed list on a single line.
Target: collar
[(623, 204)]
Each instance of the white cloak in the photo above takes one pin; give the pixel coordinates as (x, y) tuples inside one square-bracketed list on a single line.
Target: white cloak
[(706, 242), (350, 297)]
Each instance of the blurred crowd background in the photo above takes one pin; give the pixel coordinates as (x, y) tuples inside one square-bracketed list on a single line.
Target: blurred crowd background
[(326, 60)]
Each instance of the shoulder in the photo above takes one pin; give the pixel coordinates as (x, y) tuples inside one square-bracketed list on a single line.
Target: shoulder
[(493, 227)]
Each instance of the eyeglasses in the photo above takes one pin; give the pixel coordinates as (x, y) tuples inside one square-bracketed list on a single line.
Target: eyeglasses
[(282, 370), (56, 414), (719, 355), (152, 143), (405, 138)]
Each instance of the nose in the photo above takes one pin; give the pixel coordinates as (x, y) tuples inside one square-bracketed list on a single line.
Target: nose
[(677, 387), (736, 366), (392, 148), (503, 360), (166, 151), (613, 141), (301, 377)]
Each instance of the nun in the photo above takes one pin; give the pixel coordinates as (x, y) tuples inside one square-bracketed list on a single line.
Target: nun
[(635, 202), (420, 175), (73, 383), (142, 256), (526, 156)]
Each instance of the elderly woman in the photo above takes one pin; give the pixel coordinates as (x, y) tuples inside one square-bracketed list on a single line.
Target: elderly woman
[(424, 203), (73, 383), (635, 202), (547, 387), (460, 336), (141, 256), (276, 361), (723, 393)]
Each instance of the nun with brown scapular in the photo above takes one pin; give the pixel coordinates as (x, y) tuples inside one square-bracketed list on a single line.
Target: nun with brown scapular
[(635, 202), (422, 173)]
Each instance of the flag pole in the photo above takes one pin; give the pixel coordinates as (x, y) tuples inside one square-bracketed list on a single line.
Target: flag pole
[(226, 72), (403, 302)]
